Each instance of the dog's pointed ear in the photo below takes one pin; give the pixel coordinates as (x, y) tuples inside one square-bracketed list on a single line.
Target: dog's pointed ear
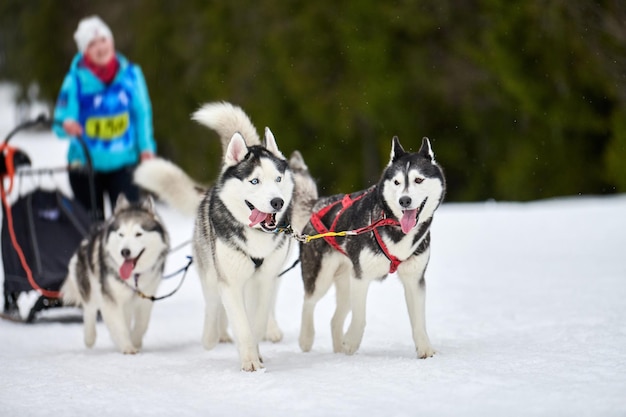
[(147, 203), (121, 203), (270, 143), (296, 162), (426, 150), (396, 150), (236, 151)]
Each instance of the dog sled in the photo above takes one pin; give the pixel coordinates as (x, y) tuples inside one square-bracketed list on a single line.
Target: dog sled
[(41, 229)]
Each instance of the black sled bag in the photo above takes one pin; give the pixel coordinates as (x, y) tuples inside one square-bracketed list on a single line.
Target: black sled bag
[(49, 227)]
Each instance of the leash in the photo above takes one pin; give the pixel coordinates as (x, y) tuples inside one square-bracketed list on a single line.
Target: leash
[(180, 246), (293, 265), (153, 298)]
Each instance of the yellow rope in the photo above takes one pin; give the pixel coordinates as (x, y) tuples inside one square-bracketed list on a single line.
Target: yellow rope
[(308, 238)]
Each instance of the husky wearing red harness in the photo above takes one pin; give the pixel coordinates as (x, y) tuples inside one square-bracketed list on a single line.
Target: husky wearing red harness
[(388, 229)]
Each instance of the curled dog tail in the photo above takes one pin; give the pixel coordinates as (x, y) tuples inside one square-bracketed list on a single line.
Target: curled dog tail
[(227, 120), (171, 184)]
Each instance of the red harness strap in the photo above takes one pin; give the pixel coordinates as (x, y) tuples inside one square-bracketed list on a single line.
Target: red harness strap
[(395, 262), (318, 225), (346, 202)]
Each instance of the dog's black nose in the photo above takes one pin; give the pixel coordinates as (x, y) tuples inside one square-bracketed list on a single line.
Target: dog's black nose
[(126, 253), (277, 203), (405, 201)]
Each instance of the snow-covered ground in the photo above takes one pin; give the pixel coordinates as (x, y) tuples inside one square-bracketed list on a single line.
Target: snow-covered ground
[(526, 308)]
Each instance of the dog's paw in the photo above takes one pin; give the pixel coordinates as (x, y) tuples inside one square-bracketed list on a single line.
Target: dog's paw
[(211, 339), (273, 332), (225, 338), (252, 366), (425, 352), (305, 342), (90, 341), (350, 343), (349, 348), (274, 335), (130, 350), (137, 343)]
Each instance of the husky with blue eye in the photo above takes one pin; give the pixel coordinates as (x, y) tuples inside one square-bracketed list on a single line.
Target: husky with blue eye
[(392, 220), (237, 249), (121, 256)]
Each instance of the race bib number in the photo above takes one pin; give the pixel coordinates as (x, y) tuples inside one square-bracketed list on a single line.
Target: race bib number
[(107, 127)]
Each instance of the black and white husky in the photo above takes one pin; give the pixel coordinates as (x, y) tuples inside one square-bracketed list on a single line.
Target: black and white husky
[(236, 248), (391, 222), (121, 257)]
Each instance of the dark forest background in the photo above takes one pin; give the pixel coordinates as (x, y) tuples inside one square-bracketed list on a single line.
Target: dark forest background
[(522, 99)]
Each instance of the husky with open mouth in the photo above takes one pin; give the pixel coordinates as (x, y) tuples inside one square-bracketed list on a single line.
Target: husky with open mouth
[(237, 248), (390, 223), (121, 256)]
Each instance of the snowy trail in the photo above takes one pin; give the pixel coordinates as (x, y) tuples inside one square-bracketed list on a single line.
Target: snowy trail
[(525, 308)]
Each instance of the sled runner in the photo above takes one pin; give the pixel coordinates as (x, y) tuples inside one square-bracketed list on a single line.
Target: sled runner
[(41, 230)]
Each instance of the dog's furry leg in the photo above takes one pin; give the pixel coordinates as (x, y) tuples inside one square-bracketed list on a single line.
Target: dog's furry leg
[(272, 330), (265, 298), (307, 326), (233, 298), (273, 334), (323, 280), (223, 323), (115, 319), (415, 295), (143, 310), (342, 287), (72, 296), (358, 299), (90, 316), (213, 320)]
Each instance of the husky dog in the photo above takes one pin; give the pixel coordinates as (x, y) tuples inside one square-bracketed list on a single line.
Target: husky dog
[(392, 223), (236, 248), (129, 246)]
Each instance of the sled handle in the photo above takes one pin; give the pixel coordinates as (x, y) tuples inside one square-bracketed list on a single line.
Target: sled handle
[(43, 120)]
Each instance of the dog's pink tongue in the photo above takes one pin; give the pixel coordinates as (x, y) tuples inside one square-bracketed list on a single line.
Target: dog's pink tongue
[(127, 269), (256, 217), (408, 220)]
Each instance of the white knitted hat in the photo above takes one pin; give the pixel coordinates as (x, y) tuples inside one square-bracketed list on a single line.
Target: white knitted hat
[(90, 28)]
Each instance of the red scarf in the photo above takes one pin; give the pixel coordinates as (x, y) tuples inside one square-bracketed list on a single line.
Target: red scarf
[(105, 73)]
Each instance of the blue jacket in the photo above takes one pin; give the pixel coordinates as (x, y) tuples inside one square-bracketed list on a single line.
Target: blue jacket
[(116, 118)]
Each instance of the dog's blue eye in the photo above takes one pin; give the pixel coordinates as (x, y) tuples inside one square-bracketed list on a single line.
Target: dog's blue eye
[(279, 179), (254, 181)]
